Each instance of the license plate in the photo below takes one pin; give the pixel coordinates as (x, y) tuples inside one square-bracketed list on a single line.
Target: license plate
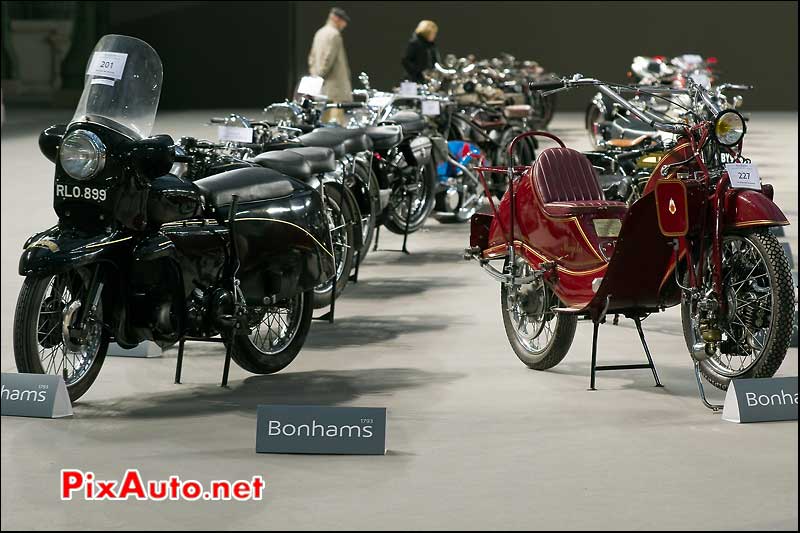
[(743, 176)]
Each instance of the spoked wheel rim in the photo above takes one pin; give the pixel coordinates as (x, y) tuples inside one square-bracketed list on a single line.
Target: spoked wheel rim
[(341, 241), (529, 307), (58, 352), (399, 199), (749, 321), (278, 325), (593, 126)]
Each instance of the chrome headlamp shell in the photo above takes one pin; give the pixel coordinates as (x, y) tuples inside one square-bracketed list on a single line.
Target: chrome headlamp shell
[(82, 155), (729, 127)]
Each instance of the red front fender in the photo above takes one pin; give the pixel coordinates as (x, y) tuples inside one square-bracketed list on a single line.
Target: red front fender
[(746, 208)]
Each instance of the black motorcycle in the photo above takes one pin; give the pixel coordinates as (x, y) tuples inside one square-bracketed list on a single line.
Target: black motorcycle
[(319, 167), (140, 254)]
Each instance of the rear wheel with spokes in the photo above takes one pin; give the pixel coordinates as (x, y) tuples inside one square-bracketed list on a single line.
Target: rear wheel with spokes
[(340, 220), (277, 334), (418, 194), (759, 296), (539, 336)]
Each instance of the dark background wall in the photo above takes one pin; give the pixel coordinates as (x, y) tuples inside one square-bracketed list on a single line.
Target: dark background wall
[(215, 54), (247, 54), (756, 42)]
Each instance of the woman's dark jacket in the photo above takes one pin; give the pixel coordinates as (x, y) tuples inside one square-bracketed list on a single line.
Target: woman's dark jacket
[(420, 56)]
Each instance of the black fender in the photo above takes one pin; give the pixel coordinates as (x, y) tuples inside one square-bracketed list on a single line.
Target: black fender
[(348, 196), (57, 250)]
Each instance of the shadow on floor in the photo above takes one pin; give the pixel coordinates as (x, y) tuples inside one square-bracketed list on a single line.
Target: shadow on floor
[(364, 330), (295, 388), (386, 257), (384, 288)]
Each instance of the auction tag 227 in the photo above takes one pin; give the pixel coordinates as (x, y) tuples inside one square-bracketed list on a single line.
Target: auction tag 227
[(743, 176)]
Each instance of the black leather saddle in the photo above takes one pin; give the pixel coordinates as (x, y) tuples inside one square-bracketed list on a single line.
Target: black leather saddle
[(342, 141), (286, 162), (319, 159), (411, 121), (250, 184), (384, 137)]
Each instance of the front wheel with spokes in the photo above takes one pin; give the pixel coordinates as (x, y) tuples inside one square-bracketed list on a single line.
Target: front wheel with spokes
[(278, 332), (759, 297), (46, 340), (538, 335)]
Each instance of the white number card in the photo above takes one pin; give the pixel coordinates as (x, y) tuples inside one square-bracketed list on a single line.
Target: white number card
[(311, 85), (408, 88), (430, 108), (235, 134), (107, 64), (743, 176)]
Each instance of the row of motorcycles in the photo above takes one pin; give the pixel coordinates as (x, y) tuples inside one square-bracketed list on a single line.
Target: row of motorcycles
[(240, 239)]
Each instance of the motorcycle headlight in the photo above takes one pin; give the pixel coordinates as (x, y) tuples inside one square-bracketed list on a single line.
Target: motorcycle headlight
[(729, 128), (82, 154)]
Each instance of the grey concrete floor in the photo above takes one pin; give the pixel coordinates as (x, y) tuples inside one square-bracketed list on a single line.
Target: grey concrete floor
[(476, 440)]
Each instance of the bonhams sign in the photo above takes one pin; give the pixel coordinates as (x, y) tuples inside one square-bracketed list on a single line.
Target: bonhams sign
[(36, 395), (761, 400), (321, 430)]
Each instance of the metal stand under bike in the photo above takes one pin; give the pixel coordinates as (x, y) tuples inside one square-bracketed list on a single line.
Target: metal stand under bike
[(405, 230), (597, 368), (234, 260), (713, 406)]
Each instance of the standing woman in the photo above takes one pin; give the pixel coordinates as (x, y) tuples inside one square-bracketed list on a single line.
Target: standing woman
[(421, 53)]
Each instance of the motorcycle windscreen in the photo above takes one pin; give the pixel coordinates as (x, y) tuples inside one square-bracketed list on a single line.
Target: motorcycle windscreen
[(672, 207), (122, 86)]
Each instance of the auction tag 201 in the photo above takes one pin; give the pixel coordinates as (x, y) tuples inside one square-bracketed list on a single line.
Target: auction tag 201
[(108, 65), (743, 176)]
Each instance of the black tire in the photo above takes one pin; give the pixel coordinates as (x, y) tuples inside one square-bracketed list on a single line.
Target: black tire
[(593, 115), (549, 109), (782, 314), (26, 342), (322, 293), (250, 358), (366, 175), (397, 223), (556, 348)]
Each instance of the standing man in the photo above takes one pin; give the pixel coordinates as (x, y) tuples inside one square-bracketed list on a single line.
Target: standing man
[(328, 60)]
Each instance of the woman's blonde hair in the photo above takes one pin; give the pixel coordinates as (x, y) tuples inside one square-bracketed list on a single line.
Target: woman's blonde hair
[(427, 29)]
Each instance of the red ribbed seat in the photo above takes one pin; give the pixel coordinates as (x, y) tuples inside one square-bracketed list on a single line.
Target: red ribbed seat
[(567, 185)]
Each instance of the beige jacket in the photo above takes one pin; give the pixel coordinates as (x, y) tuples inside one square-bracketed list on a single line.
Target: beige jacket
[(328, 60)]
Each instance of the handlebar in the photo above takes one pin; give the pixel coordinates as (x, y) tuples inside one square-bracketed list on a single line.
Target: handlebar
[(218, 120), (734, 87), (347, 105), (546, 85)]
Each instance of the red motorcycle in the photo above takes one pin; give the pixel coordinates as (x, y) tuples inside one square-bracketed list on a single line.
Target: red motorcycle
[(698, 237)]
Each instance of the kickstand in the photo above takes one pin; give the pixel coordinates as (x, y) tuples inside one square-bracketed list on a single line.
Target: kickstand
[(377, 238), (405, 232), (179, 364), (596, 368), (354, 276), (713, 406), (226, 369)]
